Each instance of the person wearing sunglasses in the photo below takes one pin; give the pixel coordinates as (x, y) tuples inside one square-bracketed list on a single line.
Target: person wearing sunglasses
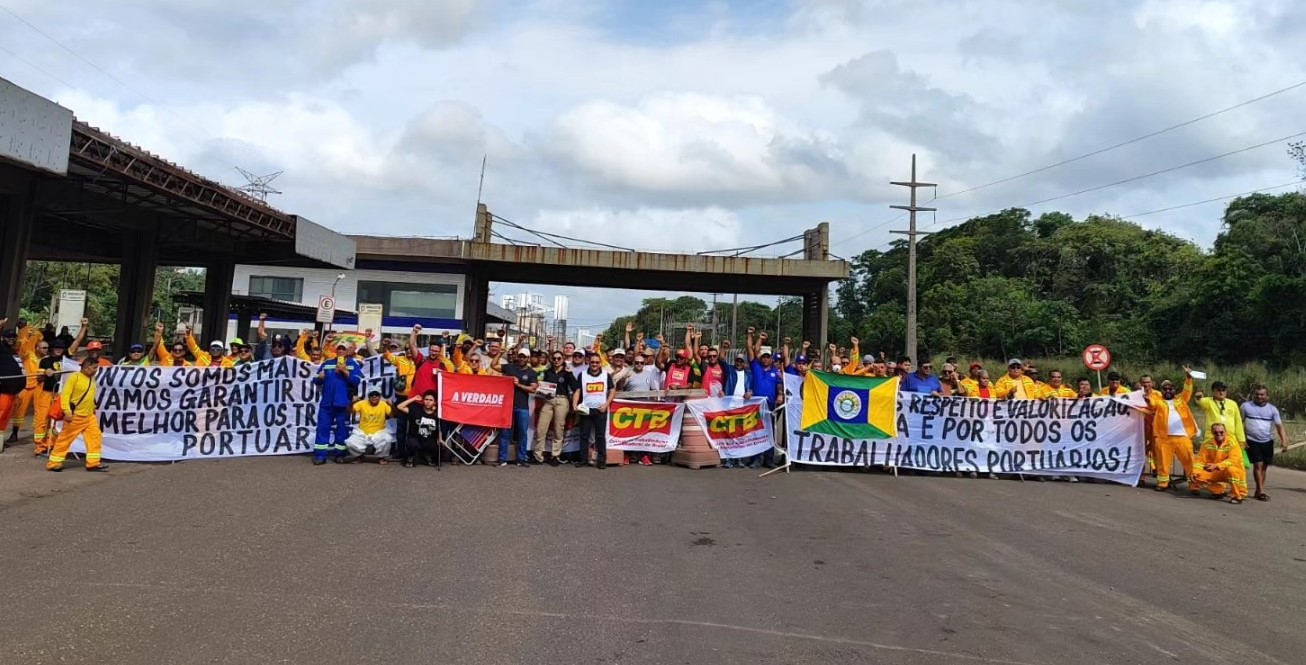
[(174, 356), (554, 410), (923, 380), (244, 353)]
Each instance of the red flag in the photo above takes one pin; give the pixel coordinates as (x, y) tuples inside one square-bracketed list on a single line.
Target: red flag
[(472, 399)]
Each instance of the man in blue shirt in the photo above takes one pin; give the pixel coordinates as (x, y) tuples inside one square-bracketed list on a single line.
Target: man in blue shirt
[(338, 380), (766, 383), (922, 380)]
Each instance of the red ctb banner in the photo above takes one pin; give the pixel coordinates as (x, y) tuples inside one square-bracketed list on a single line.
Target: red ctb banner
[(652, 427), (736, 427), (472, 399)]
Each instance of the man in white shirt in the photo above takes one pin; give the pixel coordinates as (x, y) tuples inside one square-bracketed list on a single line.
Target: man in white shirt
[(595, 396)]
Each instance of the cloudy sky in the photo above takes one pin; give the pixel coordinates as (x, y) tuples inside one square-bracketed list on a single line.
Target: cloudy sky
[(682, 125)]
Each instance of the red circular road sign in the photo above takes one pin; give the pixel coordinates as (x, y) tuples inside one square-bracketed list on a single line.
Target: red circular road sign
[(1097, 357)]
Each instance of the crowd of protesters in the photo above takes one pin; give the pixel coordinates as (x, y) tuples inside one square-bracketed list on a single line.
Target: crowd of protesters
[(569, 385)]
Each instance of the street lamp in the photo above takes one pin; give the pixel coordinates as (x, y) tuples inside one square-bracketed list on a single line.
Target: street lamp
[(333, 285)]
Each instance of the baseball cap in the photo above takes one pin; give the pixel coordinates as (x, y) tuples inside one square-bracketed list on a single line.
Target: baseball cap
[(891, 365), (1013, 362), (95, 345), (237, 342), (58, 344), (685, 354), (523, 351), (740, 356), (802, 359), (868, 358), (374, 393), (617, 352), (977, 366), (137, 348), (217, 343), (10, 332)]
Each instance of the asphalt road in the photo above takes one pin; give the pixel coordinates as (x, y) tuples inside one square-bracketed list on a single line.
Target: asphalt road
[(273, 560)]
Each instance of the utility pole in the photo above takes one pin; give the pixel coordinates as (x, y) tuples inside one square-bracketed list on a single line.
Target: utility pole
[(911, 234), (734, 323), (713, 341)]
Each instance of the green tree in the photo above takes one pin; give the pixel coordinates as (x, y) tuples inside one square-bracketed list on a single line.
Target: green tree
[(44, 280)]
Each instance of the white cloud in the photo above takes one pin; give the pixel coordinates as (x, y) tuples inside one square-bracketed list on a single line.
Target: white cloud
[(690, 127), (358, 27), (698, 147)]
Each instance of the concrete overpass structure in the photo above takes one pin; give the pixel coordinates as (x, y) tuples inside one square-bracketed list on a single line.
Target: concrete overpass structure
[(482, 262), (71, 192)]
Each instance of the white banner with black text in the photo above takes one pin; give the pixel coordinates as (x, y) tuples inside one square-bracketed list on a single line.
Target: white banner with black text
[(160, 414), (1098, 437)]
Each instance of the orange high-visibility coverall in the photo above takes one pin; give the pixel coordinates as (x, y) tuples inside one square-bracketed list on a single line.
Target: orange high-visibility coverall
[(41, 440), (1167, 446), (1228, 460), (78, 398), (202, 357), (27, 340)]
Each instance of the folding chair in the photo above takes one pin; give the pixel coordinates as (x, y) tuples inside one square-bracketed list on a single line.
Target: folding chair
[(475, 438)]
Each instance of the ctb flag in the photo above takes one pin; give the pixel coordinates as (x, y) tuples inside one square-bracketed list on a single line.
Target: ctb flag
[(852, 407)]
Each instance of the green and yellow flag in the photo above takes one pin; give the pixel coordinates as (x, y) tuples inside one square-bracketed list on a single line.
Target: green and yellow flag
[(852, 407)]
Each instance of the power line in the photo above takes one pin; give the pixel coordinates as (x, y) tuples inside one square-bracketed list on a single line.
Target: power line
[(519, 226), (34, 66), (75, 54), (1190, 204), (751, 248), (547, 235), (504, 238), (1212, 200), (1129, 180), (200, 132), (1092, 153), (1128, 142)]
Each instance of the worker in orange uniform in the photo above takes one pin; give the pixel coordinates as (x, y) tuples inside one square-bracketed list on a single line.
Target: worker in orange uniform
[(1220, 462), (1014, 384), (1173, 428), (174, 357), (216, 356), (47, 391), (78, 402), (1056, 387), (1115, 386), (1148, 387), (28, 337)]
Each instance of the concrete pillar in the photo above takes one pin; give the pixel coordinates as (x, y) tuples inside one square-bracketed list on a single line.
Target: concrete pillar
[(17, 217), (243, 330), (475, 296), (816, 317), (140, 255), (217, 298)]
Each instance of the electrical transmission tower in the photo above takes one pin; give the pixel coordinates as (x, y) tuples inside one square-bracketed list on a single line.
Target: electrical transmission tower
[(258, 186)]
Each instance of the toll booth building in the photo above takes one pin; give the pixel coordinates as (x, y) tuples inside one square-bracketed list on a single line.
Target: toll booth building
[(430, 294)]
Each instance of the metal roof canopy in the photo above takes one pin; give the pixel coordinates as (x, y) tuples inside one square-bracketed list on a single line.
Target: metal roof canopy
[(114, 190), (255, 305)]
